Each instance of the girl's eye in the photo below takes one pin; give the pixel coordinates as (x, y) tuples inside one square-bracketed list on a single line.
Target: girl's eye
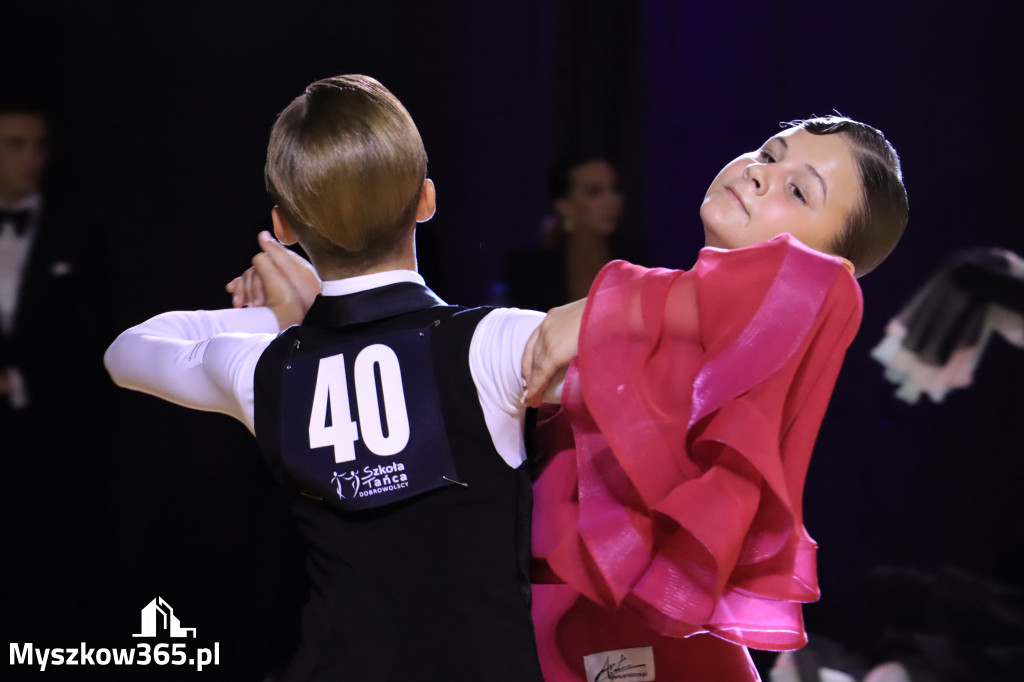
[(765, 156), (798, 194)]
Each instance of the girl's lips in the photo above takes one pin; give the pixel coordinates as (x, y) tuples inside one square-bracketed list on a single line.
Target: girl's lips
[(735, 195)]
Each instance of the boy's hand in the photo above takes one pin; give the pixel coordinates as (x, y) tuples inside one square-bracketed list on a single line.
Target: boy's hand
[(280, 280), (550, 349)]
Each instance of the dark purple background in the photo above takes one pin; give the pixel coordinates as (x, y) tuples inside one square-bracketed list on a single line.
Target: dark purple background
[(161, 117)]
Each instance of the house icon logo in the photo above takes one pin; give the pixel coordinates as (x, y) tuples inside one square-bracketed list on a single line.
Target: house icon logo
[(158, 619)]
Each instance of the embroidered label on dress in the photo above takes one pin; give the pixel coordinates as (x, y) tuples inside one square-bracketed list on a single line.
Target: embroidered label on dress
[(636, 663)]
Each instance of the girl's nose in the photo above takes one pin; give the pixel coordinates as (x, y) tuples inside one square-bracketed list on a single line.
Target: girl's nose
[(757, 174)]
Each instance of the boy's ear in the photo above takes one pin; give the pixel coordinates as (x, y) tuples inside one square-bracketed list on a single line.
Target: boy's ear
[(428, 202), (282, 230)]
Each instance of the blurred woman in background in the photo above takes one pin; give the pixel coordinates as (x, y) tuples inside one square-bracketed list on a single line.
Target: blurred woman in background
[(577, 238)]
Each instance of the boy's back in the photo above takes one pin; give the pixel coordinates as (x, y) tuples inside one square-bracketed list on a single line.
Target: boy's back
[(417, 588)]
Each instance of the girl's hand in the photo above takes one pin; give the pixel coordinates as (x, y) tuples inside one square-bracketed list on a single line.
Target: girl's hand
[(550, 349), (280, 280)]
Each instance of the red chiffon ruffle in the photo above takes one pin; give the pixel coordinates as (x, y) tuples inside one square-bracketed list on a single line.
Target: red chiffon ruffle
[(670, 505)]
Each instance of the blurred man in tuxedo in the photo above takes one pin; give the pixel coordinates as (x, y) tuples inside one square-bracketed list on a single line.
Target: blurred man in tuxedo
[(23, 157), (49, 366)]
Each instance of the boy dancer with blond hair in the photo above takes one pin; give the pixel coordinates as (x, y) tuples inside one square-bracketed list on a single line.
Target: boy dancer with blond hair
[(393, 419)]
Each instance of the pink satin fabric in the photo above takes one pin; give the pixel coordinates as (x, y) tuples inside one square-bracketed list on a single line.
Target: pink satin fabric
[(669, 508)]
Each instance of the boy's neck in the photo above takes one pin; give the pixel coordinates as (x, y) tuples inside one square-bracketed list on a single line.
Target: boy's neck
[(404, 258), (404, 261)]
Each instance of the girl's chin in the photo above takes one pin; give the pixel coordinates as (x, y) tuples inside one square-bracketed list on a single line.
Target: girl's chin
[(711, 239)]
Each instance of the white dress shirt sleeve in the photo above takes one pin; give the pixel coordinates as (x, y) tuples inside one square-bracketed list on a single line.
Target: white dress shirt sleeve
[(495, 361), (204, 359)]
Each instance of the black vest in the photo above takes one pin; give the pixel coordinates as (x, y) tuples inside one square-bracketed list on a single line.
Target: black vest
[(431, 584)]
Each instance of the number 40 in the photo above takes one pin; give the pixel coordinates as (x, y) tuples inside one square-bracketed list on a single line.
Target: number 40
[(332, 389)]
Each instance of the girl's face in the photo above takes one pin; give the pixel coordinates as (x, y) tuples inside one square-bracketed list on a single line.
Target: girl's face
[(799, 183), (594, 203)]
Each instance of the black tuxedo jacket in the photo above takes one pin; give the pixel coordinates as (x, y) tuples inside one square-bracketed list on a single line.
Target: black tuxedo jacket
[(53, 331), (57, 341), (51, 448)]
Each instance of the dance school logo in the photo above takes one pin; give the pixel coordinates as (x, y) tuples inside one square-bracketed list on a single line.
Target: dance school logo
[(636, 663), (370, 481), (158, 621)]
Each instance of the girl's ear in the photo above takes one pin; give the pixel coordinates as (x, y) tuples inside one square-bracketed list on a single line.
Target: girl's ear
[(849, 266), (282, 230)]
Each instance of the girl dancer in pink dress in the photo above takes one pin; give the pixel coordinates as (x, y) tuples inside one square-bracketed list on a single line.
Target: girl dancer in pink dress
[(668, 532)]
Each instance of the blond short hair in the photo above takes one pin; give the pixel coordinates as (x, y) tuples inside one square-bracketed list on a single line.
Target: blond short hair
[(345, 166)]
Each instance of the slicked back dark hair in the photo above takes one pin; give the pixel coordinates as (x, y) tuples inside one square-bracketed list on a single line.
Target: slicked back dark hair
[(874, 228)]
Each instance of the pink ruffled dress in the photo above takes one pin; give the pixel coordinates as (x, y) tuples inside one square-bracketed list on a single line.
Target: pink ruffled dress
[(668, 504)]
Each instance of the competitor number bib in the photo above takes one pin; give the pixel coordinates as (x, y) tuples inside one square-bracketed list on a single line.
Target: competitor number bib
[(362, 421)]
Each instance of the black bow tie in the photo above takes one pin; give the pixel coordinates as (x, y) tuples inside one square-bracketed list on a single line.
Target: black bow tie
[(19, 219)]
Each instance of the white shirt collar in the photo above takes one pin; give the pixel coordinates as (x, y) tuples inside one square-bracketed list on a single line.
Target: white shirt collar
[(352, 285)]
